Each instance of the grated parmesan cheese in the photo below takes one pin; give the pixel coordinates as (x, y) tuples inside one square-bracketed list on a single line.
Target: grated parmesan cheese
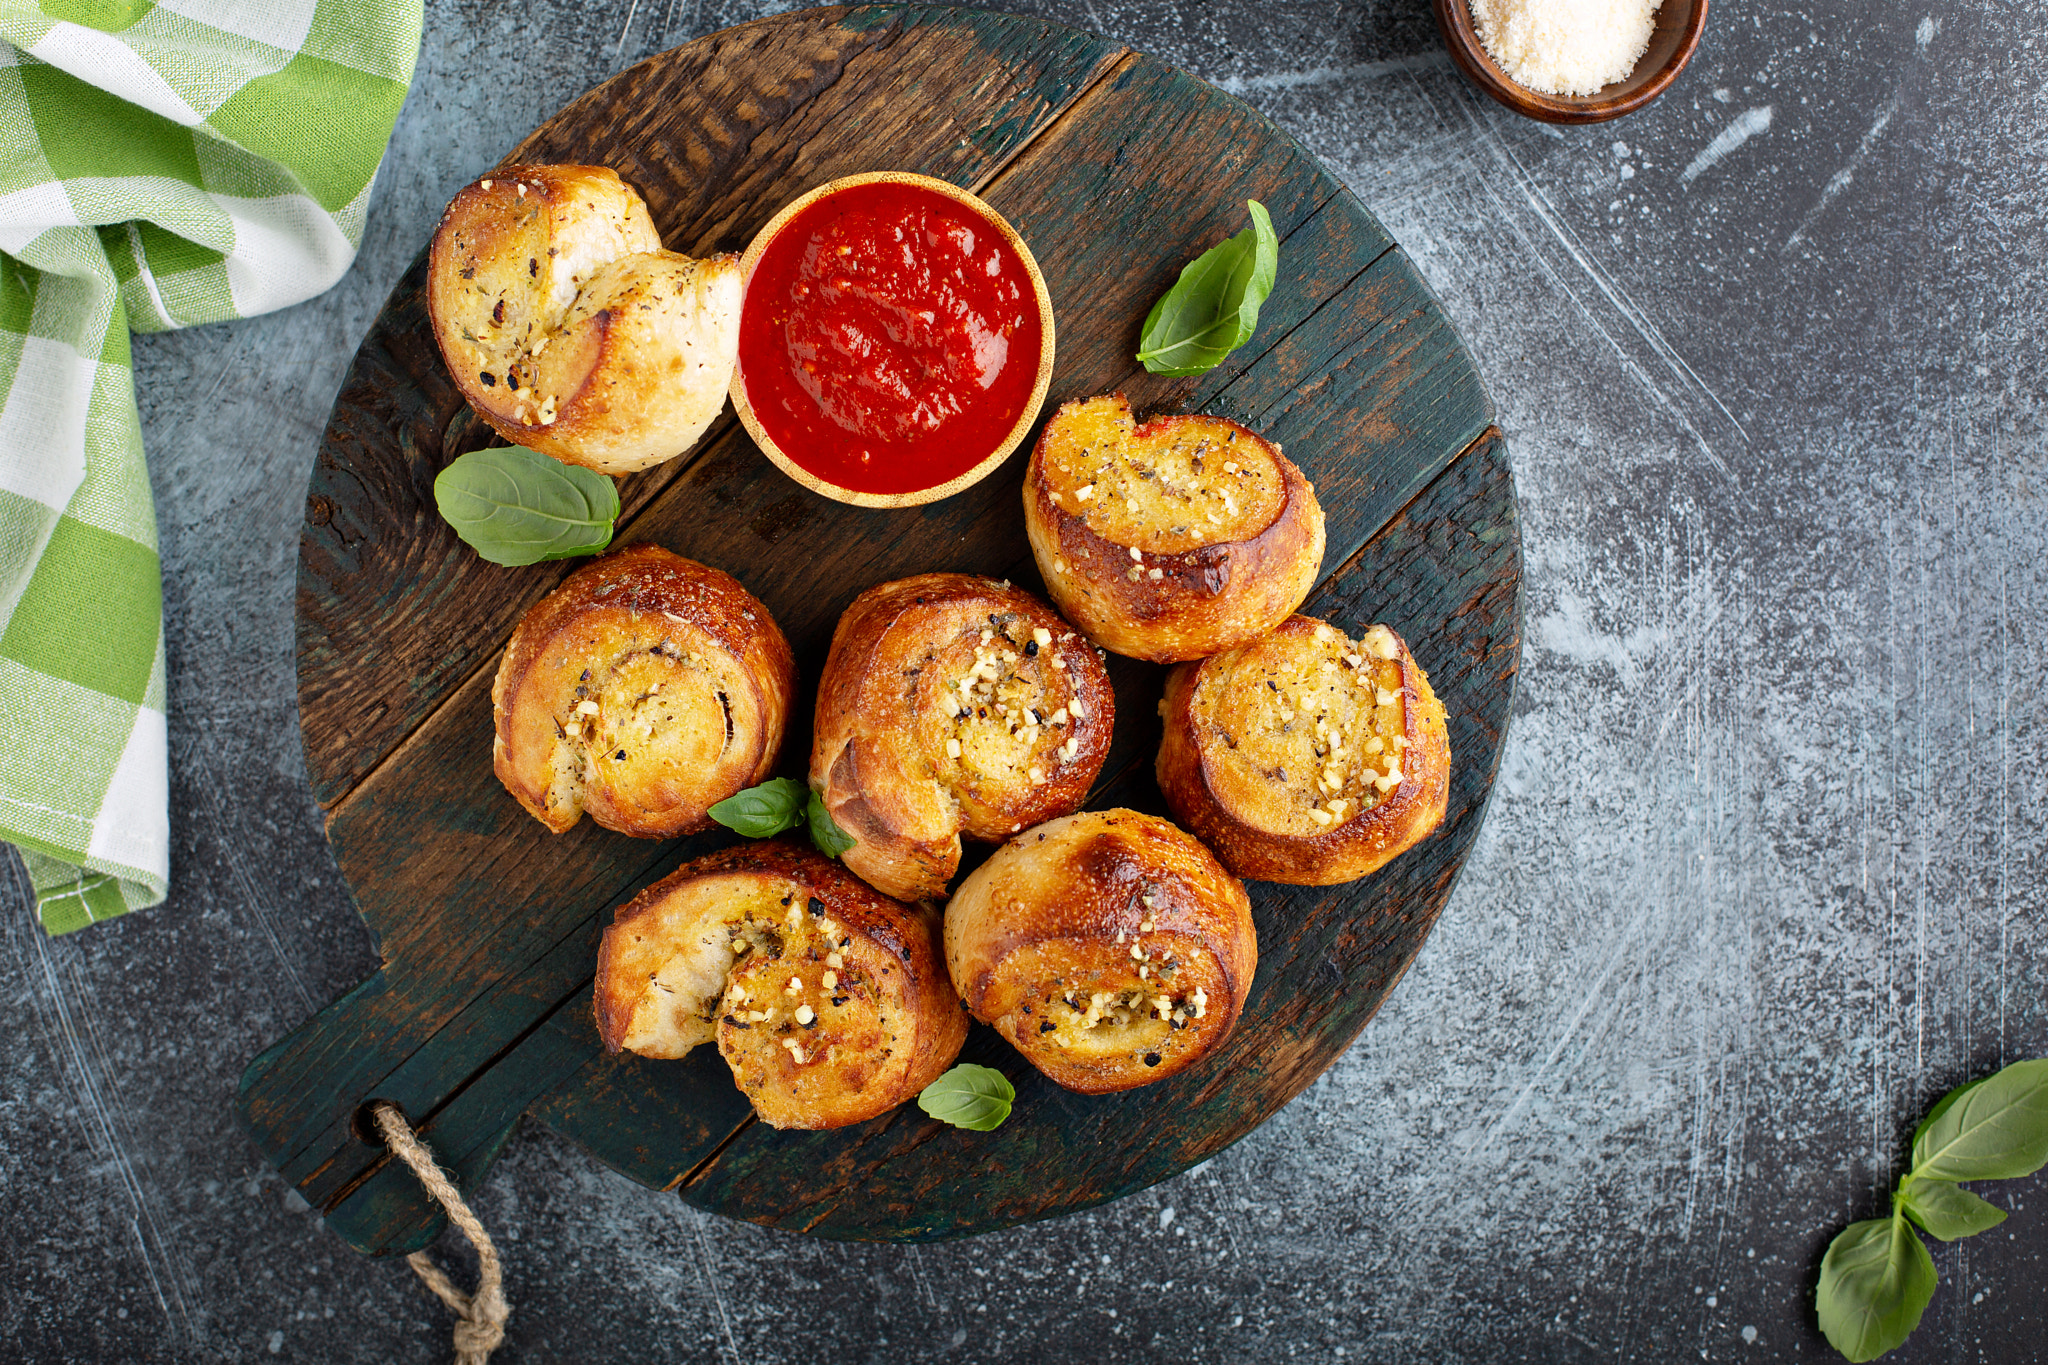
[(1565, 47)]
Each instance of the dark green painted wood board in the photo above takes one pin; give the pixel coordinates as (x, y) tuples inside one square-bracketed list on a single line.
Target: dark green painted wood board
[(1117, 169)]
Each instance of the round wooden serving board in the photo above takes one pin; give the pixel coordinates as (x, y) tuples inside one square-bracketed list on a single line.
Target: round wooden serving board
[(1118, 170)]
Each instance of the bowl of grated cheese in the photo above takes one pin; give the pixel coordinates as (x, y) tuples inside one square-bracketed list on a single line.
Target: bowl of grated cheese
[(1572, 61)]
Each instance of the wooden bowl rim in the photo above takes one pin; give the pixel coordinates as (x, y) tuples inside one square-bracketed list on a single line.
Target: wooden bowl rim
[(1454, 19), (1025, 418)]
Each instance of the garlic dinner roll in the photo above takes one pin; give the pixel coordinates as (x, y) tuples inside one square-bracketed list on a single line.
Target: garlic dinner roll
[(829, 1001), (1170, 540), (1109, 947), (645, 690), (952, 705), (1306, 757), (566, 325)]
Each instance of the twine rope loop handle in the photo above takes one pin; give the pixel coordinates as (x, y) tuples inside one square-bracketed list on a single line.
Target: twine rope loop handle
[(479, 1317)]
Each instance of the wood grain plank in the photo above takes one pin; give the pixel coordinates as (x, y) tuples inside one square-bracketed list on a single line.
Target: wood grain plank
[(300, 1096), (393, 610), (691, 1103), (487, 926)]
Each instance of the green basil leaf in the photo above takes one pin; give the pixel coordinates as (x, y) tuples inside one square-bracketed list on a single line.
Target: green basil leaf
[(1946, 1211), (826, 835), (1213, 308), (764, 811), (1996, 1129), (516, 506), (969, 1096), (1942, 1105), (1875, 1282)]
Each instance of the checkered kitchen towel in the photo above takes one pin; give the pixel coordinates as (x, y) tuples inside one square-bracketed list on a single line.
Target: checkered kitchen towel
[(162, 162)]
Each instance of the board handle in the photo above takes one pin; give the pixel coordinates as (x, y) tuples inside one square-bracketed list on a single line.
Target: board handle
[(304, 1104)]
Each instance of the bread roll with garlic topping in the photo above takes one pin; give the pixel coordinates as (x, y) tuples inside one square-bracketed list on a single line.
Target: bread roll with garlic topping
[(1170, 540), (567, 326), (828, 1000), (1109, 947), (952, 705), (644, 690), (1306, 757)]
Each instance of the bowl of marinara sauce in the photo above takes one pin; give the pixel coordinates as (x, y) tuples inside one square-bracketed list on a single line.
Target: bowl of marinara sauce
[(895, 340)]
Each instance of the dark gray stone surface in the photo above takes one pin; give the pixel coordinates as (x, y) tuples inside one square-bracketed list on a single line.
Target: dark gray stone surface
[(1761, 879)]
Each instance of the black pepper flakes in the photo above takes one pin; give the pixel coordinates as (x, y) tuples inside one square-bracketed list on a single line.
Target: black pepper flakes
[(1151, 1059), (1046, 1027), (816, 907), (1031, 649), (487, 379)]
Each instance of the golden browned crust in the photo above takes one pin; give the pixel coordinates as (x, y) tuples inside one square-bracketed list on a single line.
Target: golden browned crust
[(829, 1001), (1109, 947), (1306, 757), (567, 326), (1170, 540), (645, 690), (953, 705)]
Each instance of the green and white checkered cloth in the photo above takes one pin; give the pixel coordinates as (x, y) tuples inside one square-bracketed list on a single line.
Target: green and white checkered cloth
[(161, 164)]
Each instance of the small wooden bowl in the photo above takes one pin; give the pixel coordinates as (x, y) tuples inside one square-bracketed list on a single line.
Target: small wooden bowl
[(1025, 418), (1672, 41)]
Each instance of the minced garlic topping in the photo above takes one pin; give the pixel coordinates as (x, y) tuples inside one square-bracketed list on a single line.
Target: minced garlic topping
[(1306, 728), (1014, 711), (1161, 490)]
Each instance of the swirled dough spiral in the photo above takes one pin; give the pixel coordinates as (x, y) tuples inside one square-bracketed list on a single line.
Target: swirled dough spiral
[(644, 690), (953, 705), (1169, 540), (829, 1001), (1109, 947), (1306, 757)]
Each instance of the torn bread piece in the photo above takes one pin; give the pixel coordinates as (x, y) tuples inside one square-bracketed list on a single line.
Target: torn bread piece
[(953, 705), (1168, 540), (1109, 947), (1306, 757), (644, 690), (569, 329), (829, 1001)]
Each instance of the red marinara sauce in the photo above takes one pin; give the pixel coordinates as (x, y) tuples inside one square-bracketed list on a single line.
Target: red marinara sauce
[(889, 338)]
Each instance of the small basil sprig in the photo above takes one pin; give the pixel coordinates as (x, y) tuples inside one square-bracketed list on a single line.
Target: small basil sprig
[(516, 506), (969, 1096), (778, 804), (1877, 1278), (1214, 307), (825, 832), (765, 811)]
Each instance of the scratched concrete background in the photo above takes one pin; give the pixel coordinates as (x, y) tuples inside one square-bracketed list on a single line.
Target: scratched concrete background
[(1761, 879)]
